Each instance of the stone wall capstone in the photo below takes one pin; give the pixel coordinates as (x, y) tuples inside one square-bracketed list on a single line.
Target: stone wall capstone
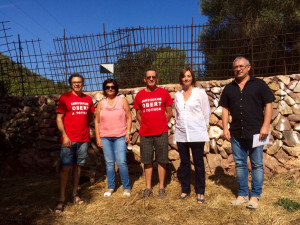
[(30, 139)]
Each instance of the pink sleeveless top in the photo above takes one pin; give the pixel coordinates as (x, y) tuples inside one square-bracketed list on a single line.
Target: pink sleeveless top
[(113, 119)]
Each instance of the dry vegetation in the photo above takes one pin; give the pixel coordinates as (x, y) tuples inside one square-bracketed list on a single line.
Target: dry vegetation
[(31, 199)]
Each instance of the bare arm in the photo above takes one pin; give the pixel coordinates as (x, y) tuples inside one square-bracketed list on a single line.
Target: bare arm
[(61, 128), (97, 124), (138, 116), (205, 107), (128, 119), (169, 112), (225, 119), (264, 130)]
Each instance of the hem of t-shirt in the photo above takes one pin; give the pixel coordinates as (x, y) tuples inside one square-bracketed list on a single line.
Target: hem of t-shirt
[(59, 111), (113, 136), (153, 134), (72, 141)]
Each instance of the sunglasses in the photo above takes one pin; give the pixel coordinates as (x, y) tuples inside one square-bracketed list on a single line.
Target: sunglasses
[(149, 77), (110, 87)]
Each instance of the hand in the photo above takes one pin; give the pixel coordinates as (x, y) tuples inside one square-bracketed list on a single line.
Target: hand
[(264, 132), (66, 142), (226, 134), (127, 138), (99, 143)]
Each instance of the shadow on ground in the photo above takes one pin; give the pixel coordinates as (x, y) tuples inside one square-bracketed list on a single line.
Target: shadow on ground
[(227, 181)]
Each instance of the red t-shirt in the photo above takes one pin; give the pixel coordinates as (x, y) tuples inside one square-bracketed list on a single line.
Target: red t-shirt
[(153, 111), (76, 110)]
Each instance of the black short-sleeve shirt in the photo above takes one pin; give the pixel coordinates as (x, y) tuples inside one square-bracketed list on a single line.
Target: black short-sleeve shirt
[(246, 106)]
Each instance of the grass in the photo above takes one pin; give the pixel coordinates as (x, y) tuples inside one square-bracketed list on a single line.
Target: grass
[(288, 204), (31, 199)]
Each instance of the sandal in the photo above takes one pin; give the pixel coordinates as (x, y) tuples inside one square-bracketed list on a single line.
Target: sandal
[(182, 197), (200, 200), (108, 193), (59, 208), (127, 193), (77, 200)]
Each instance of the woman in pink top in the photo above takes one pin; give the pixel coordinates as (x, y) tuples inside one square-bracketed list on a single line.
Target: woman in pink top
[(112, 126)]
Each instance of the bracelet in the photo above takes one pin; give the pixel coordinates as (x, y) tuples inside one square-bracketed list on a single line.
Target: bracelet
[(128, 132)]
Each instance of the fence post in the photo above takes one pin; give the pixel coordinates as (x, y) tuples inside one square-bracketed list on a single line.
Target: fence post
[(20, 65), (192, 35), (65, 57)]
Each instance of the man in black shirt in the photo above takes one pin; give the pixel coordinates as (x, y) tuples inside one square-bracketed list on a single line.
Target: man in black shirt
[(249, 102)]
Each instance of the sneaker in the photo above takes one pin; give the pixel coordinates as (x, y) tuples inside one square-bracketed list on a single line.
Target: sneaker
[(148, 192), (162, 193)]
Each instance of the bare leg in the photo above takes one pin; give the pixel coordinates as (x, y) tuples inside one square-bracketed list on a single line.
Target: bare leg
[(64, 175), (161, 175), (148, 174), (76, 177)]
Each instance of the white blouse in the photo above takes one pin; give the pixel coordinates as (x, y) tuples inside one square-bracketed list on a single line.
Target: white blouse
[(192, 116)]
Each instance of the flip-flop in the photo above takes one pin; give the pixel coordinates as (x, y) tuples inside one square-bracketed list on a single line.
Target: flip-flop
[(61, 208)]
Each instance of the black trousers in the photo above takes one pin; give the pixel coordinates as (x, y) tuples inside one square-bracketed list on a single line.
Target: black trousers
[(185, 165)]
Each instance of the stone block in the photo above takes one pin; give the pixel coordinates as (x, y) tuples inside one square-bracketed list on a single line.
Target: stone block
[(282, 156), (173, 155), (270, 162), (293, 151), (296, 109), (171, 141), (273, 149), (291, 138)]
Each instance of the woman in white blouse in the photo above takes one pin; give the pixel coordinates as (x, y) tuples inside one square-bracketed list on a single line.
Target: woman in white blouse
[(192, 111)]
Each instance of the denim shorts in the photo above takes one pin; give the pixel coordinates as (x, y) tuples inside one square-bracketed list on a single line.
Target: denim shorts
[(76, 154), (157, 144)]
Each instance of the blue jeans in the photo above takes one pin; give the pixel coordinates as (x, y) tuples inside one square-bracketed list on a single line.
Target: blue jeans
[(76, 154), (240, 149), (114, 149)]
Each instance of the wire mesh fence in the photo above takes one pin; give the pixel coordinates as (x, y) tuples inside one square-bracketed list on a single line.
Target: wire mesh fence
[(273, 49)]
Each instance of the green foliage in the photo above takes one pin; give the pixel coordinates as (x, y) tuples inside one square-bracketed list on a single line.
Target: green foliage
[(288, 204), (230, 11), (290, 184), (130, 69), (262, 30), (17, 80), (4, 87)]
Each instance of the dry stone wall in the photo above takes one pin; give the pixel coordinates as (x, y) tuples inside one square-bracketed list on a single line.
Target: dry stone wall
[(30, 139)]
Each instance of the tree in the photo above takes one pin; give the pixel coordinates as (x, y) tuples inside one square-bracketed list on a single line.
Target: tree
[(265, 31), (18, 80), (129, 70)]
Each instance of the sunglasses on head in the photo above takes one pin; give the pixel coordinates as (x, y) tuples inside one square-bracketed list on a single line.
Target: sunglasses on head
[(110, 87)]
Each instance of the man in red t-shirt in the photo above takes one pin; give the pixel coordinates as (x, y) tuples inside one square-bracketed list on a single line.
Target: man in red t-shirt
[(74, 112), (153, 107)]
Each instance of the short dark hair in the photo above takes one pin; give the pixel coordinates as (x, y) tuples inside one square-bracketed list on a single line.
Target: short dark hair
[(151, 69), (110, 81), (181, 75), (76, 75)]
